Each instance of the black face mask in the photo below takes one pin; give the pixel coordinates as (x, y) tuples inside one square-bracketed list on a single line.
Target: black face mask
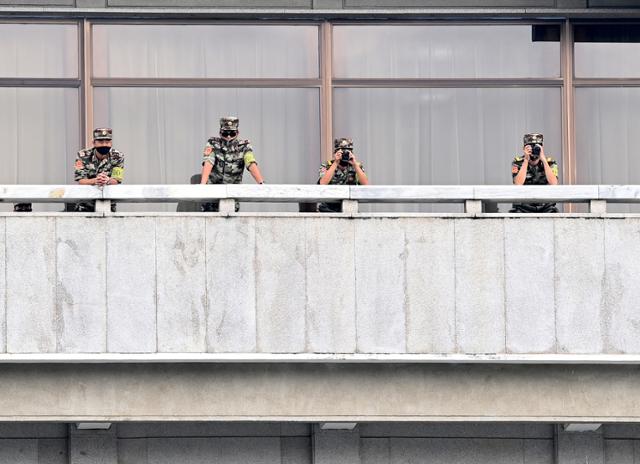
[(103, 150)]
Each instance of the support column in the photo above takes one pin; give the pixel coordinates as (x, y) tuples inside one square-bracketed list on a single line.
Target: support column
[(92, 446), (580, 447), (336, 446)]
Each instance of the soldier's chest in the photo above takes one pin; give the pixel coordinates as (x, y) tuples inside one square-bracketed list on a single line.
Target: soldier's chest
[(229, 156)]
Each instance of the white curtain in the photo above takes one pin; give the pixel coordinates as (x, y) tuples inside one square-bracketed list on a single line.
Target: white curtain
[(205, 51), (163, 131), (445, 136), (437, 51)]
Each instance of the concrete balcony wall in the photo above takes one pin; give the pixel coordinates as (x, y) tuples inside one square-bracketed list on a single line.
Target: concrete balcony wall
[(318, 284)]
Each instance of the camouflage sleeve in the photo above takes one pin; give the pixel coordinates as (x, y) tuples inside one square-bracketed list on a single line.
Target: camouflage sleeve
[(117, 169), (208, 155), (323, 170), (79, 171), (554, 167), (515, 168), (249, 158)]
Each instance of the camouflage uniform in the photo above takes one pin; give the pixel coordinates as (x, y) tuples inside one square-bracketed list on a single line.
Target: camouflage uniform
[(88, 166), (228, 158), (346, 176), (535, 176)]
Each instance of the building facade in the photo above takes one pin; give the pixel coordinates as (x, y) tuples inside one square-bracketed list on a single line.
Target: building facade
[(380, 336)]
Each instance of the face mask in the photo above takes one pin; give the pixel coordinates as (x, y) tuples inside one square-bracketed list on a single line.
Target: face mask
[(103, 150)]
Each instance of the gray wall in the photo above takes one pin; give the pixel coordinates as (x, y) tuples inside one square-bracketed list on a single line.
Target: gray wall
[(385, 443), (243, 284)]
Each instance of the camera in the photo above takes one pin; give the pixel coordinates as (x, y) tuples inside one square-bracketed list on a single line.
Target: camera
[(346, 156), (535, 151)]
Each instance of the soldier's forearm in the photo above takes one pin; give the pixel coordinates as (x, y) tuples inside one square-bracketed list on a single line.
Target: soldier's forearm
[(255, 172), (206, 170)]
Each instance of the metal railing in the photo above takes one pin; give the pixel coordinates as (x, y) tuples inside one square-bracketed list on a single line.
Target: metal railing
[(472, 196)]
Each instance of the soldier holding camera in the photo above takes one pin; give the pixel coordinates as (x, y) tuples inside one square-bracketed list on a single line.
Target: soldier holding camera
[(534, 168), (343, 169)]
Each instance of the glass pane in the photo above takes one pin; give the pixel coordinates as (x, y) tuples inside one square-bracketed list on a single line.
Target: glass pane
[(607, 122), (443, 52), (205, 51), (39, 50), (39, 129), (607, 50), (445, 136), (163, 131)]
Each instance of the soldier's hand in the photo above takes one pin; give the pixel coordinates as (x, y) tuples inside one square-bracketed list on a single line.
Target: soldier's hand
[(542, 157), (352, 159), (527, 152), (337, 156)]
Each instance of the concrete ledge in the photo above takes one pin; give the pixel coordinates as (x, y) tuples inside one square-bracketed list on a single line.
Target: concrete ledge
[(317, 358), (318, 393)]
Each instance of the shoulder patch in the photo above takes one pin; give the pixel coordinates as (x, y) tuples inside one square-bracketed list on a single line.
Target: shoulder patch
[(518, 159)]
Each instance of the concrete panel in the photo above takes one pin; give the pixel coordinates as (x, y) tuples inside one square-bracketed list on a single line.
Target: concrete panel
[(529, 285), (3, 287), (31, 290), (91, 3), (580, 448), (199, 429), (614, 3), (281, 284), (93, 449), (621, 431), (455, 451), (374, 450), (213, 3), (132, 451), (37, 2), (571, 3), (618, 452), (381, 251), (131, 284), (480, 305), (33, 430), (332, 446), (538, 452), (236, 450), (52, 451), (81, 301), (449, 3), (621, 294), (430, 267), (19, 451), (460, 430), (331, 294), (182, 294), (579, 275), (296, 450), (231, 284), (327, 4)]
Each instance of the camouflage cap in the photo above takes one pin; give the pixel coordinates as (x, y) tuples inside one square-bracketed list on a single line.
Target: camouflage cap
[(343, 144), (229, 123), (102, 133), (532, 139)]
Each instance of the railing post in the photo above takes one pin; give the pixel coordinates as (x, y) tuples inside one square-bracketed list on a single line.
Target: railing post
[(103, 206), (350, 206), (227, 205), (598, 206), (473, 206)]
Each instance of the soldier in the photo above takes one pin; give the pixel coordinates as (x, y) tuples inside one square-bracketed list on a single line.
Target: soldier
[(534, 168), (101, 165), (343, 169), (225, 158)]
